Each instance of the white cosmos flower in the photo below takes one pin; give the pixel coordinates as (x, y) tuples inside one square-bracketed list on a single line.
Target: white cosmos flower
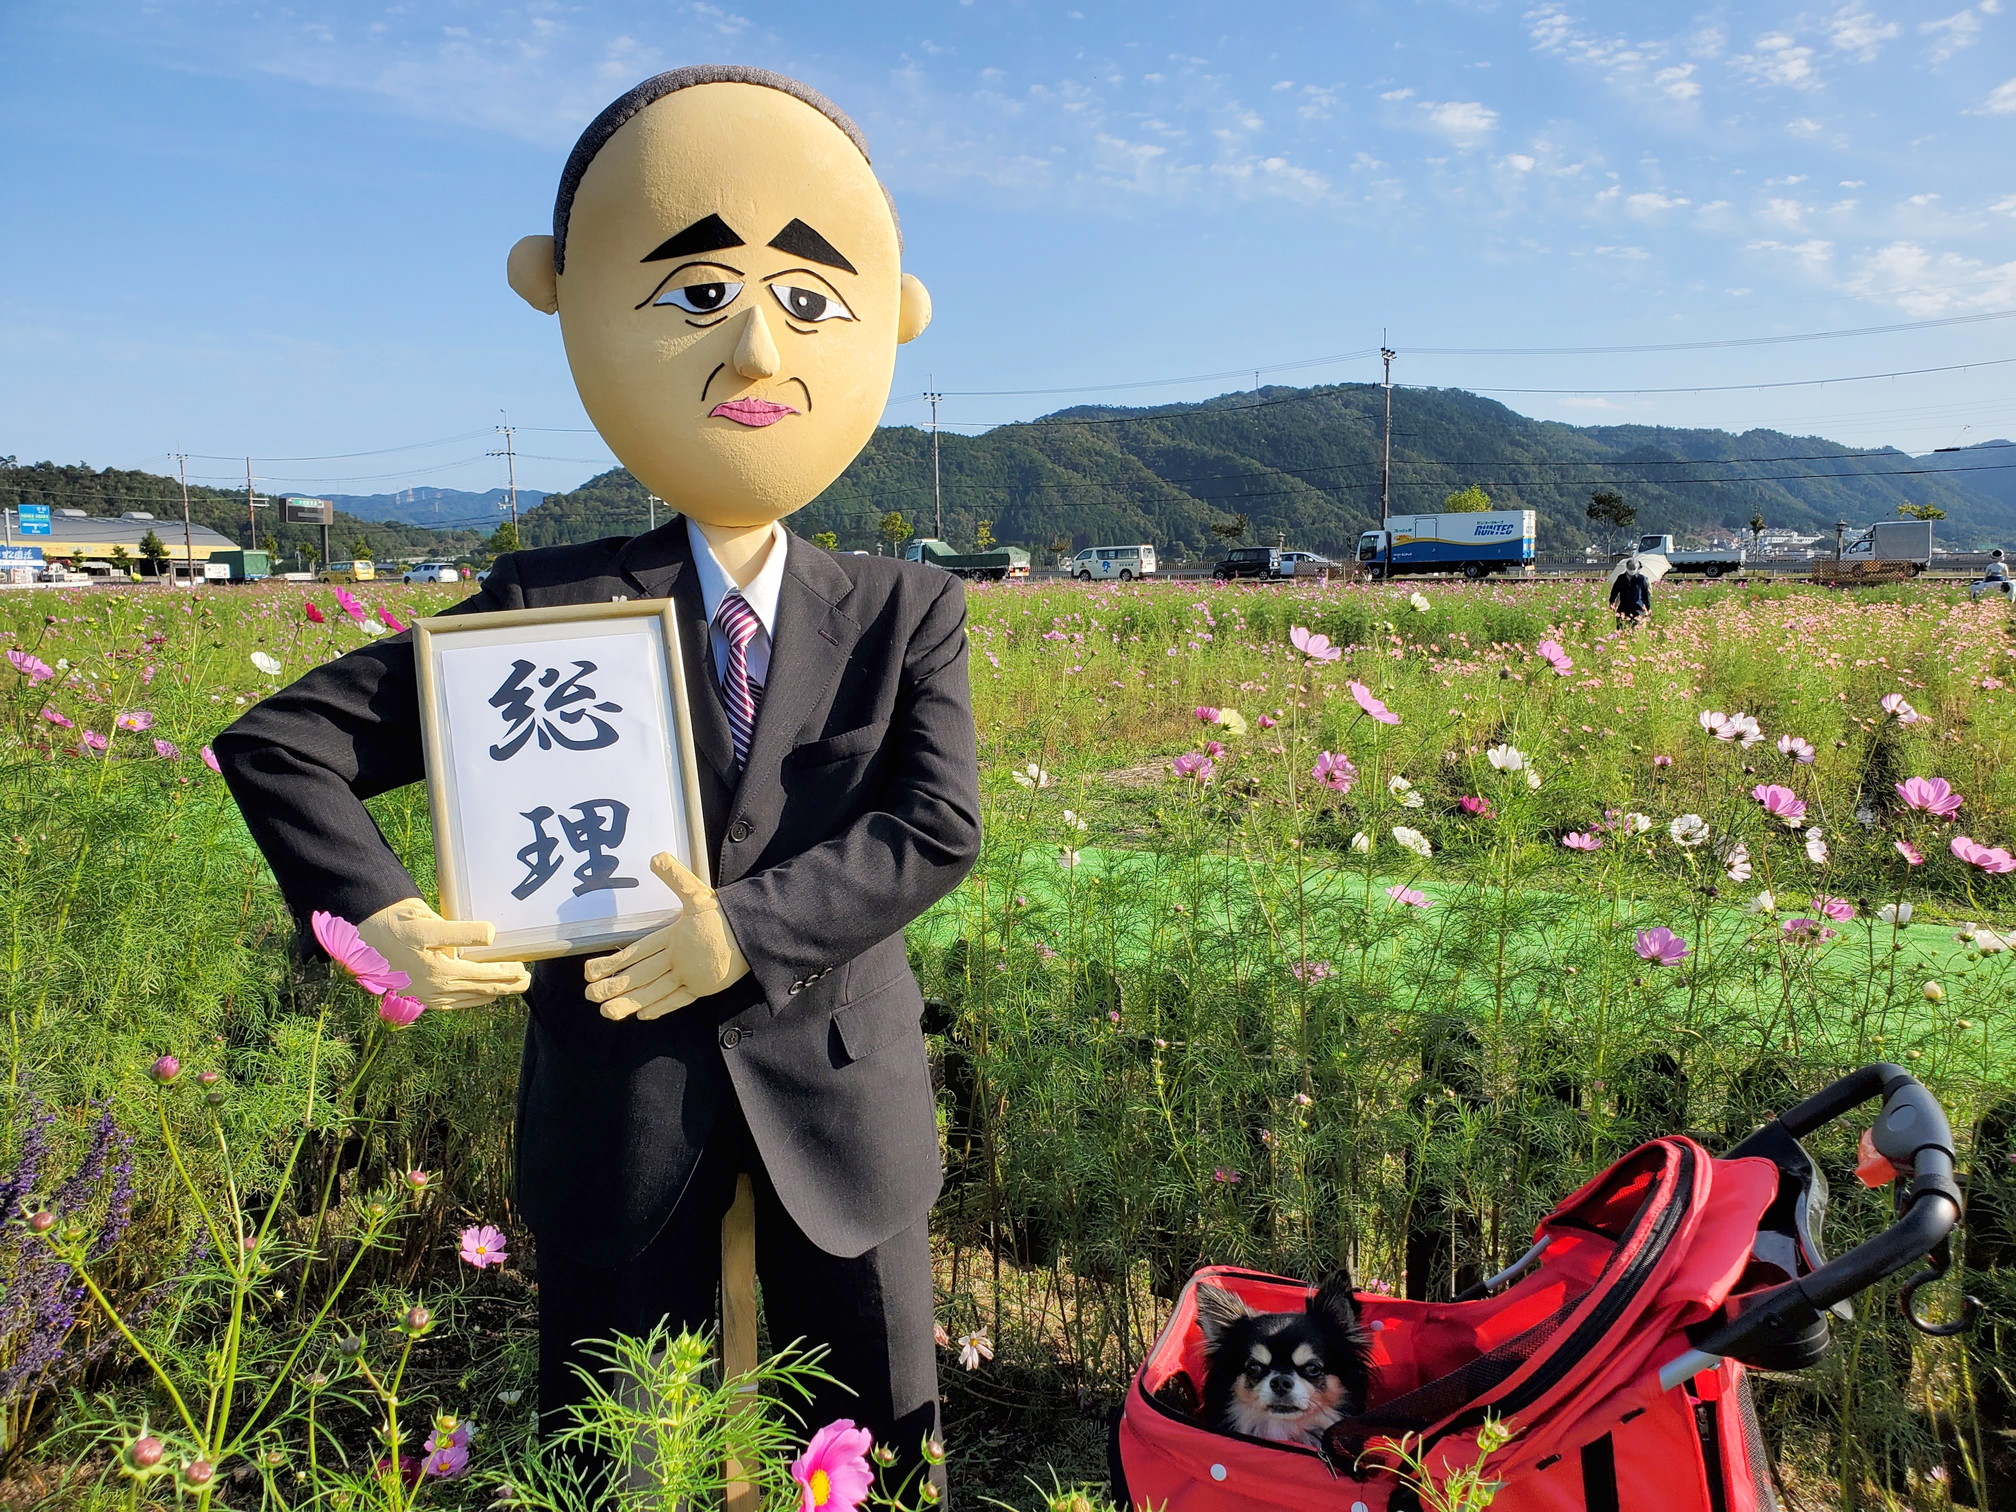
[(267, 664), (1532, 777), (1032, 776), (973, 1348), (370, 627), (1233, 722), (1403, 790), (1633, 823), (1506, 758), (1736, 862), (1361, 842), (1066, 857), (1073, 821), (1762, 903), (1816, 847), (1898, 914), (1688, 830), (1420, 603), (1413, 840)]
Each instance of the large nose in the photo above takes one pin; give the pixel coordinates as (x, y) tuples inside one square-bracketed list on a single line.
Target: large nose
[(755, 352)]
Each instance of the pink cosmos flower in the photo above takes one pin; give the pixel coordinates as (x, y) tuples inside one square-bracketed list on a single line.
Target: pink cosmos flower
[(1480, 806), (31, 666), (1412, 897), (347, 949), (1206, 713), (1311, 971), (1893, 703), (1806, 931), (1195, 765), (210, 759), (1662, 761), (1334, 772), (1316, 647), (1267, 721), (93, 741), (1995, 861), (1930, 795), (1213, 749), (1792, 747), (1910, 853), (445, 1464), (314, 614), (1780, 802), (1580, 841), (1372, 705), (833, 1473), (347, 602), (1661, 946), (388, 620), (166, 750), (400, 1012), (483, 1246), (1225, 1174), (1840, 910), (56, 719), (135, 720), (1550, 651), (457, 1439)]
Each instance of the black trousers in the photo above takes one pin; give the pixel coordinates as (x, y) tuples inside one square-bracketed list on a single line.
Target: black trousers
[(874, 1312)]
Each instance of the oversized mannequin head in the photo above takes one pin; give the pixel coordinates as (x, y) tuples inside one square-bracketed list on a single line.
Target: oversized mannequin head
[(727, 272)]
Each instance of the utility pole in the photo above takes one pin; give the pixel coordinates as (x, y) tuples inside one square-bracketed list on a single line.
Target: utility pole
[(510, 456), (188, 535), (652, 506), (1386, 356), (251, 511), (937, 493)]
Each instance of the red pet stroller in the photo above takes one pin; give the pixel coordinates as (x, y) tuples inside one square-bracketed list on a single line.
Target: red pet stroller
[(1617, 1354)]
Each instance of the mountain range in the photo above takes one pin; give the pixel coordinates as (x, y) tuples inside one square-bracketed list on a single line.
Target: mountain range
[(1304, 465), (442, 508)]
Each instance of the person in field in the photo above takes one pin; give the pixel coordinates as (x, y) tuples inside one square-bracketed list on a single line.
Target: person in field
[(1631, 593)]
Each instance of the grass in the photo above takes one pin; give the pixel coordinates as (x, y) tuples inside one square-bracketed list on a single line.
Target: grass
[(1212, 1035)]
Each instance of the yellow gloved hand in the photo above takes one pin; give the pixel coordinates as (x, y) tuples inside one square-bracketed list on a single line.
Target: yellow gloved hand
[(693, 956), (418, 941)]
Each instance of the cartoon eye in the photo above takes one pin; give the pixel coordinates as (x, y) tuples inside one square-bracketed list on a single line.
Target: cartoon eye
[(700, 298), (810, 305)]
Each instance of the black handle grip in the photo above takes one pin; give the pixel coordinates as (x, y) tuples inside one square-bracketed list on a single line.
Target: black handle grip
[(1913, 1134)]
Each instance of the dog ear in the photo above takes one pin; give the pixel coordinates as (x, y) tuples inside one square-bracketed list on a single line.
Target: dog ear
[(1334, 1299), (1217, 1311)]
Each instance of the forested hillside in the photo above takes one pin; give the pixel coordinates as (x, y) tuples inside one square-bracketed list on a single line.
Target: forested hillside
[(1304, 463)]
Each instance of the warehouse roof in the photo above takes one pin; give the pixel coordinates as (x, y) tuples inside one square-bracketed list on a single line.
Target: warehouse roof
[(73, 533)]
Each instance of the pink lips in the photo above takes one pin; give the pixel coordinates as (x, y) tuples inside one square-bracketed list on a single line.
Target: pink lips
[(752, 411)]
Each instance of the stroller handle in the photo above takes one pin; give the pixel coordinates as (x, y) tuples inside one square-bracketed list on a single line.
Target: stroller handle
[(1912, 1133)]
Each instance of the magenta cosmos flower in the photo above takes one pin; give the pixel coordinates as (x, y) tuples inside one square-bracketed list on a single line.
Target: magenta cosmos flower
[(1840, 910), (389, 620), (31, 666), (347, 949), (1581, 842), (400, 1012), (1206, 713), (1480, 806), (93, 741), (1194, 765), (1993, 860), (135, 720), (347, 601), (1311, 971), (1550, 652), (833, 1473), (1412, 897), (314, 615), (1910, 853), (1334, 772), (1371, 705), (1661, 946), (1316, 647), (167, 750), (210, 759), (1930, 795), (1780, 802), (483, 1246), (56, 719)]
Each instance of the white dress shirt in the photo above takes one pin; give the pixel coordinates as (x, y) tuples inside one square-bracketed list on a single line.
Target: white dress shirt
[(760, 595)]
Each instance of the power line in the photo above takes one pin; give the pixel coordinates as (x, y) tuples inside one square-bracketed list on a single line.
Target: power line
[(346, 456), (1702, 346), (1727, 388)]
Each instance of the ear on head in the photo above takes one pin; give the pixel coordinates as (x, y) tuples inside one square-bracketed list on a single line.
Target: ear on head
[(530, 270), (1335, 1299), (1217, 1311)]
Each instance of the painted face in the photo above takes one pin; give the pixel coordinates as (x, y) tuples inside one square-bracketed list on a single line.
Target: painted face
[(732, 301)]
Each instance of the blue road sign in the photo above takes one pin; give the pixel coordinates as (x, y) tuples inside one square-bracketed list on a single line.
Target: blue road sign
[(34, 519), (20, 556)]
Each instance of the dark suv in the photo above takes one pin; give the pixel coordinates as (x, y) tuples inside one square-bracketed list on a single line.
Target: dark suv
[(1249, 561)]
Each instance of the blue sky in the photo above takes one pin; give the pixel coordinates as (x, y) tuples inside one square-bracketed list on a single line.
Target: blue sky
[(279, 229)]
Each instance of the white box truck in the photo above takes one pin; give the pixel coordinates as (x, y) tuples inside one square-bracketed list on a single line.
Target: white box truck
[(1491, 540), (1892, 541)]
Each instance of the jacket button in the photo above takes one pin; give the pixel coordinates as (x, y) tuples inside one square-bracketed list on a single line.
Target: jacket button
[(739, 831), (730, 1038)]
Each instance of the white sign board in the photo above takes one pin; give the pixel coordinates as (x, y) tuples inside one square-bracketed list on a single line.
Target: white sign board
[(559, 762)]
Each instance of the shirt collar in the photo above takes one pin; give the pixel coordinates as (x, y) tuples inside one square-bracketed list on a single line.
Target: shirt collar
[(760, 595)]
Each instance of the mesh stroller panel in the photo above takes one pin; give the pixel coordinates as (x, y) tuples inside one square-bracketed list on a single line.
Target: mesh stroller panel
[(1755, 1451), (1451, 1393)]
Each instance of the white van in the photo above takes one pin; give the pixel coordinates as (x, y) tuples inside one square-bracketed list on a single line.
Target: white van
[(1123, 562)]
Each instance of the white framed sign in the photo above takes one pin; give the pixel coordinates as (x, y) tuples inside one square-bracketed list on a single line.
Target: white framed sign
[(559, 762)]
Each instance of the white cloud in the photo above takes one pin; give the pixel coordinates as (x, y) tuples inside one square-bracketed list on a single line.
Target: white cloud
[(1651, 203), (1521, 162), (2001, 99), (2004, 206), (1856, 32), (1957, 32), (1779, 59), (1398, 94), (1804, 126), (1464, 121), (1676, 82), (1628, 254), (1922, 282)]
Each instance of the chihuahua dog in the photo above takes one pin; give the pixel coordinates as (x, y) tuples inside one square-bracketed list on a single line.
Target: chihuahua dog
[(1285, 1376)]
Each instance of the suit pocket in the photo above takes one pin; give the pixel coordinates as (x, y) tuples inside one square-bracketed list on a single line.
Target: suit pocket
[(856, 742), (877, 1019)]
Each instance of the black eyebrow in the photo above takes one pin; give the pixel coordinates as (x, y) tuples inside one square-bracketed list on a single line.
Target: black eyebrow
[(708, 234), (800, 240)]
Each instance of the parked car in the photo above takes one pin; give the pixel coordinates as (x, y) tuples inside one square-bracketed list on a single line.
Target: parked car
[(1249, 561), (1304, 564), (432, 572), (346, 572), (1123, 562)]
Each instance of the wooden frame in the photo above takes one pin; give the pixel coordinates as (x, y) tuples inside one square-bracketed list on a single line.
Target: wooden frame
[(618, 899)]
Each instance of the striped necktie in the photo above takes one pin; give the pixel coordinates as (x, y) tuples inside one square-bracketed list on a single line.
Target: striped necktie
[(739, 624)]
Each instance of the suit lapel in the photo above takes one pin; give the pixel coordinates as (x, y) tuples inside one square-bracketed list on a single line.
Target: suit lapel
[(814, 638), (660, 565)]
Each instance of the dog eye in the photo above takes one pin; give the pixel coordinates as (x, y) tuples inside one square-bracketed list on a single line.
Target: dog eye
[(1313, 1371)]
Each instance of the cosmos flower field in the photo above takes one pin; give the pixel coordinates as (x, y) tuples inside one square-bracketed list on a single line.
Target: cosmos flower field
[(1315, 925)]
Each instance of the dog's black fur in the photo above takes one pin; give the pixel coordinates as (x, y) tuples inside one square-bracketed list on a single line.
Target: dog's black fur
[(1284, 1376)]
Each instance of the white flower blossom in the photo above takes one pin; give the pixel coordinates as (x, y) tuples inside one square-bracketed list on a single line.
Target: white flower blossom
[(1361, 842), (1736, 862), (1233, 722), (1420, 603), (269, 665), (1403, 791), (1763, 903), (973, 1348), (1897, 914), (1074, 821), (1532, 777), (1506, 758), (1816, 847), (1066, 857), (1633, 823), (1032, 776), (1413, 840), (1689, 830)]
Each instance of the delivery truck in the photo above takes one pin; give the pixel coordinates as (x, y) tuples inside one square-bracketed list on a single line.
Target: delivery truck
[(1711, 563), (1477, 544), (995, 564), (1892, 541)]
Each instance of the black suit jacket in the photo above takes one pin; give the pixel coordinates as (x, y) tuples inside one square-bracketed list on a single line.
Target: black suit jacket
[(858, 809)]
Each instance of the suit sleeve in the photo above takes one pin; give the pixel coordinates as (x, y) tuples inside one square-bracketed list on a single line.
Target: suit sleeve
[(828, 904), (301, 763)]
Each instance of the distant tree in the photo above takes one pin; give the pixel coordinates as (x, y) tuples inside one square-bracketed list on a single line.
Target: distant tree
[(1756, 532), (1060, 547), (271, 545), (826, 540), (983, 536), (1230, 530), (1921, 511), (310, 552), (895, 529), (153, 551), (504, 538), (1610, 510), (1471, 500), (121, 558), (360, 549)]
